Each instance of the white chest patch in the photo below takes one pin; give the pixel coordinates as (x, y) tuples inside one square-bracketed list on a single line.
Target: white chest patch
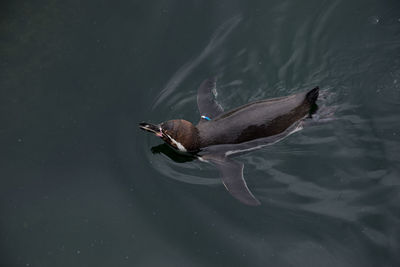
[(178, 145)]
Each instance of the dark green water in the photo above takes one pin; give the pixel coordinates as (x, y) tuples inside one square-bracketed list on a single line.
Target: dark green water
[(79, 185)]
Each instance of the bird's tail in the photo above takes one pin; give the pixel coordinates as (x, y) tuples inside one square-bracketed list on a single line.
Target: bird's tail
[(312, 96)]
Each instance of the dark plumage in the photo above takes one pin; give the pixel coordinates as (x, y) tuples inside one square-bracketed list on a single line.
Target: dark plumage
[(256, 120), (183, 132)]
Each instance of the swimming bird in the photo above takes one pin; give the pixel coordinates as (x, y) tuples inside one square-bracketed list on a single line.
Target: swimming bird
[(219, 135)]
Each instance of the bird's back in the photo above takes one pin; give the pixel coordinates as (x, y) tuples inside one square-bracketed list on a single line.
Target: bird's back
[(257, 119)]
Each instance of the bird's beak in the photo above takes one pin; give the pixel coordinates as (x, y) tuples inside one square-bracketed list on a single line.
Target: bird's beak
[(151, 128)]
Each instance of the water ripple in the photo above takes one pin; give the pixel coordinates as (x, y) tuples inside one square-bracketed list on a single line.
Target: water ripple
[(337, 177)]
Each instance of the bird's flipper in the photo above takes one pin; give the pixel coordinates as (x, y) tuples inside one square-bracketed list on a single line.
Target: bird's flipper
[(232, 177)]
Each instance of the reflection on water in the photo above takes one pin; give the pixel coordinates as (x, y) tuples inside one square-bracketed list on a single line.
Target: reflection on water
[(172, 153)]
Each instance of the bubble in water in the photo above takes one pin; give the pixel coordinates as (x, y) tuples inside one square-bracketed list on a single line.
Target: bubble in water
[(373, 20)]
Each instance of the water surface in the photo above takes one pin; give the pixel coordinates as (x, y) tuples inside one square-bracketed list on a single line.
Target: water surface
[(80, 185)]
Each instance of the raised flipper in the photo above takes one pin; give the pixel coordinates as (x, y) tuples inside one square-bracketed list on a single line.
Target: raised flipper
[(206, 102), (232, 178)]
